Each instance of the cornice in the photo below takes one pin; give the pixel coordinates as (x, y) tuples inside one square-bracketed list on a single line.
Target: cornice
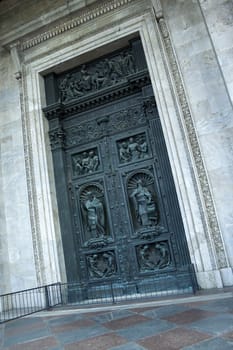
[(85, 15)]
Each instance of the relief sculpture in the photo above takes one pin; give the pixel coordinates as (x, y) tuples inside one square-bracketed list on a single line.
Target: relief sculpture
[(143, 206), (85, 162), (104, 73), (101, 265), (153, 256), (133, 148), (93, 213)]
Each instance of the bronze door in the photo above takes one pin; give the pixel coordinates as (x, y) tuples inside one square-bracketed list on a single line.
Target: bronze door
[(119, 214)]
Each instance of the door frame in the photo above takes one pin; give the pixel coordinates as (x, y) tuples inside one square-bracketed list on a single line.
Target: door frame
[(45, 228)]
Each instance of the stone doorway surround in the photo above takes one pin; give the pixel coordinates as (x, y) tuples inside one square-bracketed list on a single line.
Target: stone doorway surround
[(98, 29)]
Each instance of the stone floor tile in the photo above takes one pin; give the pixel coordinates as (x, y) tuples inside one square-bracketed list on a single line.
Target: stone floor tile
[(216, 325), (174, 339), (26, 336), (165, 311), (145, 329), (140, 310), (81, 334), (94, 313), (126, 322), (128, 346), (24, 322), (212, 344), (218, 305), (60, 320), (228, 335), (103, 342), (24, 328), (112, 315), (72, 325), (40, 344), (189, 316)]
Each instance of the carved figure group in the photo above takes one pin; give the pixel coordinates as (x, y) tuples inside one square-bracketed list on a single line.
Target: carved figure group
[(94, 218), (102, 74), (144, 205), (101, 265), (86, 163), (132, 149), (154, 256)]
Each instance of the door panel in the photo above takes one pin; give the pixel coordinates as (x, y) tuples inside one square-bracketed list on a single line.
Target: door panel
[(121, 212)]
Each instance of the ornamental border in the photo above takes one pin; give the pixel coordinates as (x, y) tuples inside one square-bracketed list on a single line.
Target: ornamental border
[(84, 17), (212, 220)]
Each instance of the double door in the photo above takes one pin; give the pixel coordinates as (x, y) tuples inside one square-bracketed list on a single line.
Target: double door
[(127, 230)]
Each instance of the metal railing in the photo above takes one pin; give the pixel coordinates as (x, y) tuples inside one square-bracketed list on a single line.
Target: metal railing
[(29, 301), (117, 292)]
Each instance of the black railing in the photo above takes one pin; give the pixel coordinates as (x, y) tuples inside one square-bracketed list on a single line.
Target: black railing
[(26, 302), (29, 301), (117, 292)]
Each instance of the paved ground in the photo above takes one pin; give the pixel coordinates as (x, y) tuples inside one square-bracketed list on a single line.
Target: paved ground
[(201, 322)]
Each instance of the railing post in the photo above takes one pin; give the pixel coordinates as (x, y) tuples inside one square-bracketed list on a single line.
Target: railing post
[(61, 301), (112, 291), (47, 303)]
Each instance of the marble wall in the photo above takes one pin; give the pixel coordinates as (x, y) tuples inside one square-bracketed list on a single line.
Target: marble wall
[(17, 268), (200, 34)]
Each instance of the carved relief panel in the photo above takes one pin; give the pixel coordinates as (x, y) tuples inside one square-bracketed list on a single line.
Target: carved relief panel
[(97, 76), (101, 265), (133, 148), (153, 256), (85, 162)]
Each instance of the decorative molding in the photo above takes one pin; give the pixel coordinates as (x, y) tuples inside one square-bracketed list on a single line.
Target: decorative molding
[(16, 60), (57, 138), (156, 4), (32, 195), (86, 16), (203, 180), (92, 130)]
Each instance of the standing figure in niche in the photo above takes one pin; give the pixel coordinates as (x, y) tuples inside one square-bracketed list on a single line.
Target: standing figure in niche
[(93, 208), (142, 200)]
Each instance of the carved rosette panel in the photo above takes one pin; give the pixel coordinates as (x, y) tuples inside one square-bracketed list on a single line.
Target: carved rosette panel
[(114, 122), (142, 200), (94, 214), (86, 162), (101, 265), (153, 256), (96, 76), (133, 148)]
